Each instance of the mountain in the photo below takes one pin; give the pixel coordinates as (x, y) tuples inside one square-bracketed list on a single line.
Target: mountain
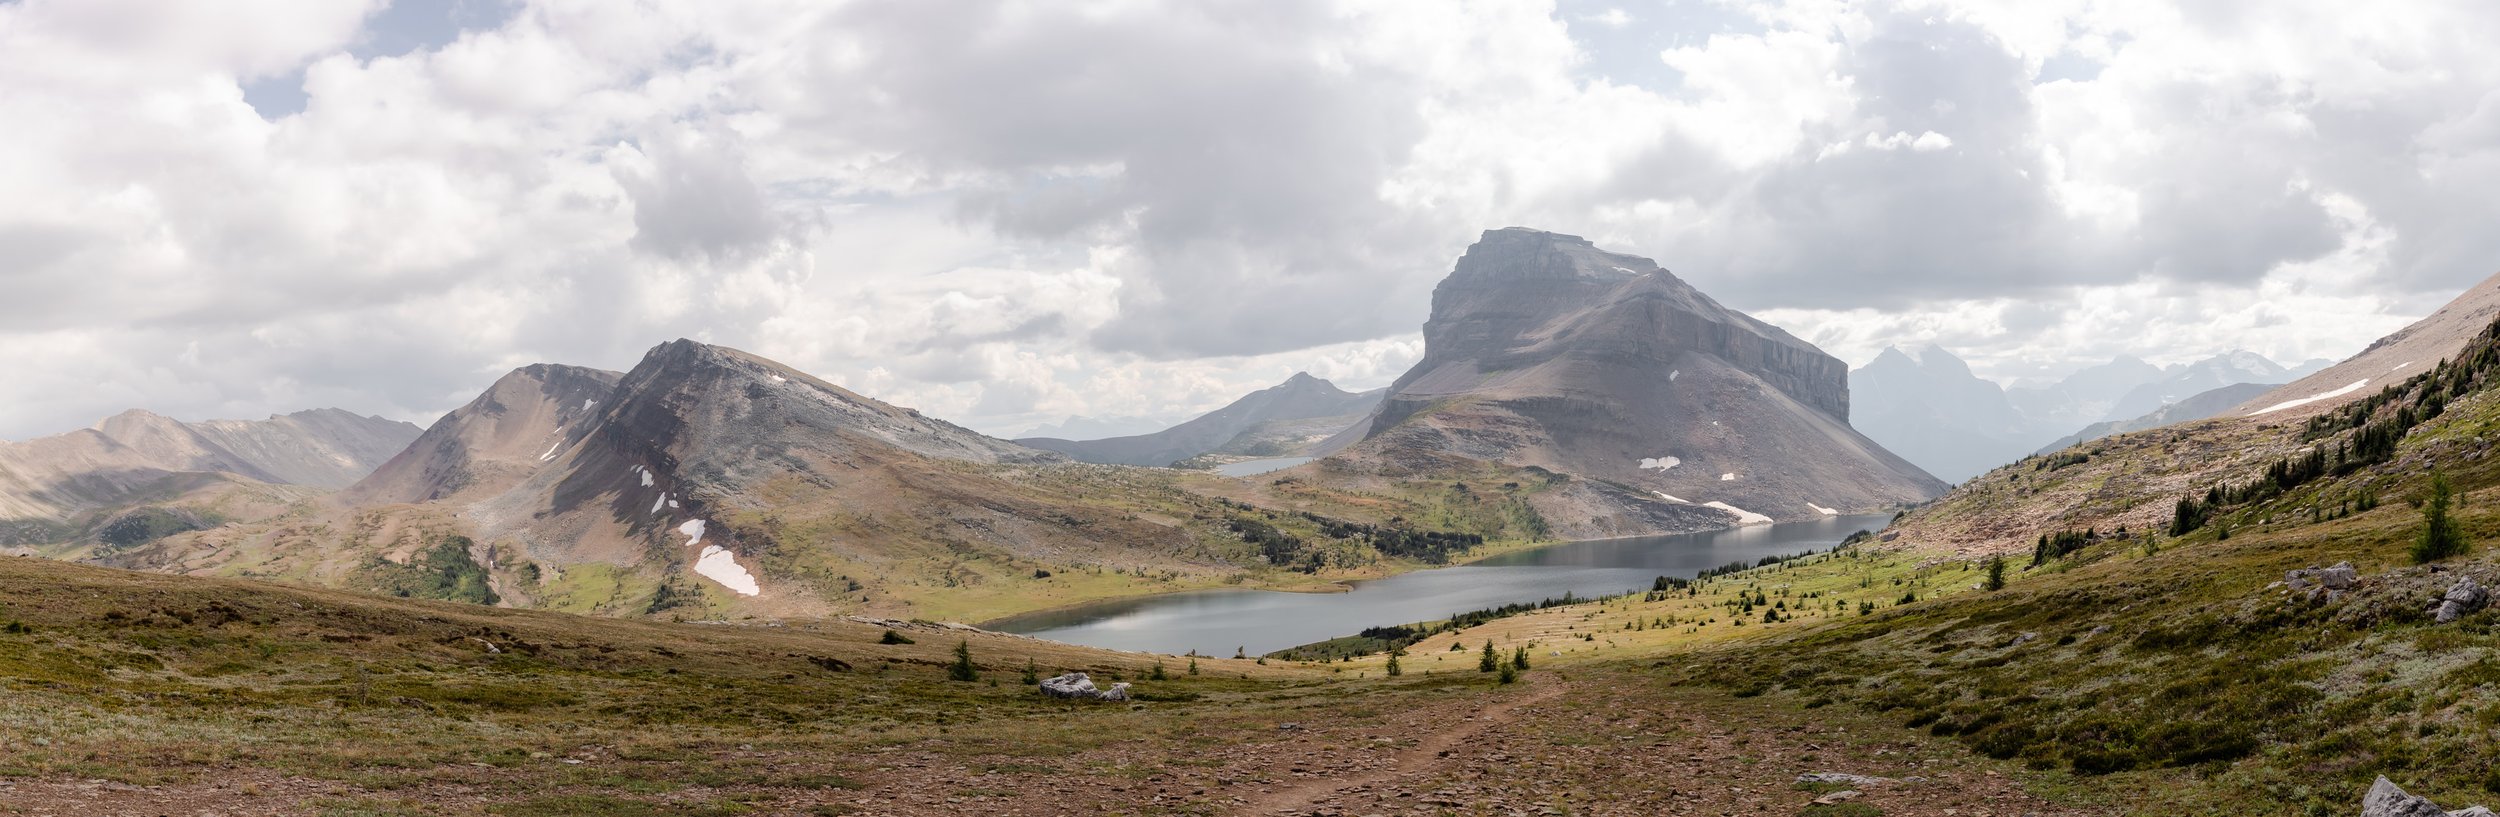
[(1095, 428), (63, 487), (1543, 351), (707, 480), (2410, 351), (2198, 407), (1931, 410), (2138, 479), (1275, 421), (2186, 380), (2085, 397)]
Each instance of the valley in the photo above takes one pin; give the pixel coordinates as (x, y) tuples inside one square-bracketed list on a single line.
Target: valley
[(715, 584)]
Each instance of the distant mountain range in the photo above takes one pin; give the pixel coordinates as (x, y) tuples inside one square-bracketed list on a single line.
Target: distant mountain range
[(1095, 428), (1282, 420), (1928, 406), (65, 486)]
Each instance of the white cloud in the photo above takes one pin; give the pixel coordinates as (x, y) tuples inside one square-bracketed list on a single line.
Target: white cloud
[(1006, 211)]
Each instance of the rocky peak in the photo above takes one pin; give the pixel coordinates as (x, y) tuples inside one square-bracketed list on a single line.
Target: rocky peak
[(1519, 297)]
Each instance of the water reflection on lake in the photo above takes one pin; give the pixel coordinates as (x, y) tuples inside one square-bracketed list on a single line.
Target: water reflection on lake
[(1215, 622)]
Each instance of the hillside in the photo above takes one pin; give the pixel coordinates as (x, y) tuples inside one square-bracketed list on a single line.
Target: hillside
[(147, 694), (2208, 664), (2197, 407), (1281, 420), (2134, 479), (1545, 352)]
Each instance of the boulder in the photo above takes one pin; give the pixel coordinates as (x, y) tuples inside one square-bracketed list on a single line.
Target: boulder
[(2338, 577), (1076, 686), (1842, 779), (2464, 598), (2385, 799)]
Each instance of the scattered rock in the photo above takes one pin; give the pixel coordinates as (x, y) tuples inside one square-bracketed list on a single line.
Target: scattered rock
[(2338, 577), (1076, 686), (2024, 638), (1835, 798), (1842, 778), (2385, 799), (2462, 599)]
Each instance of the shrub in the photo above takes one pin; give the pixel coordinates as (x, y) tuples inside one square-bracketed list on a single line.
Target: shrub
[(892, 637)]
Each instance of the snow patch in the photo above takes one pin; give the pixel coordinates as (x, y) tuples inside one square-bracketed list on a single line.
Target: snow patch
[(671, 503), (1671, 374), (586, 404), (1822, 510), (1629, 270), (657, 503), (778, 378), (693, 529), (1671, 498), (2354, 387), (720, 565), (2400, 367), (551, 451), (1727, 477), (1659, 463), (646, 477), (1743, 517)]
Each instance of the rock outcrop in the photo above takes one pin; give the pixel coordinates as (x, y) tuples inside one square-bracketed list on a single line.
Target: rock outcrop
[(2386, 799), (1076, 686), (1543, 350), (2465, 598)]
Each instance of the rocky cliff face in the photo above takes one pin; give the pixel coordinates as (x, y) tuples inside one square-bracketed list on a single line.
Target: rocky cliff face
[(1544, 350), (1267, 422), (1522, 297)]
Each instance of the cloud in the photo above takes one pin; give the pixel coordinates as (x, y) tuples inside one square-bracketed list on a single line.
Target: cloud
[(1009, 211)]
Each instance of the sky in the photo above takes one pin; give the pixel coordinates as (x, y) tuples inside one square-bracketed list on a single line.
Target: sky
[(1006, 213)]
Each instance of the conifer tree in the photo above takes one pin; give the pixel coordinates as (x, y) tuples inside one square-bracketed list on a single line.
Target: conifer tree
[(962, 669), (2441, 536), (1489, 661)]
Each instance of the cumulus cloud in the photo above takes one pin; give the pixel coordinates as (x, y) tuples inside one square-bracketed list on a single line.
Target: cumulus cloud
[(1009, 211)]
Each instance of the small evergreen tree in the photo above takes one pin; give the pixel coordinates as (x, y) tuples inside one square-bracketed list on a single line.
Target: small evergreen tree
[(962, 669), (1394, 669), (1490, 661), (1508, 674), (1193, 665), (1996, 573), (1519, 658), (1032, 674), (1158, 675), (2441, 536)]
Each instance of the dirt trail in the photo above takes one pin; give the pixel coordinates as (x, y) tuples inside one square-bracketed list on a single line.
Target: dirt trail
[(1429, 751)]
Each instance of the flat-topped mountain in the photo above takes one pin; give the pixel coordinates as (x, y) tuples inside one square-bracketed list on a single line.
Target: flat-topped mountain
[(1543, 350), (57, 488), (1276, 421)]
